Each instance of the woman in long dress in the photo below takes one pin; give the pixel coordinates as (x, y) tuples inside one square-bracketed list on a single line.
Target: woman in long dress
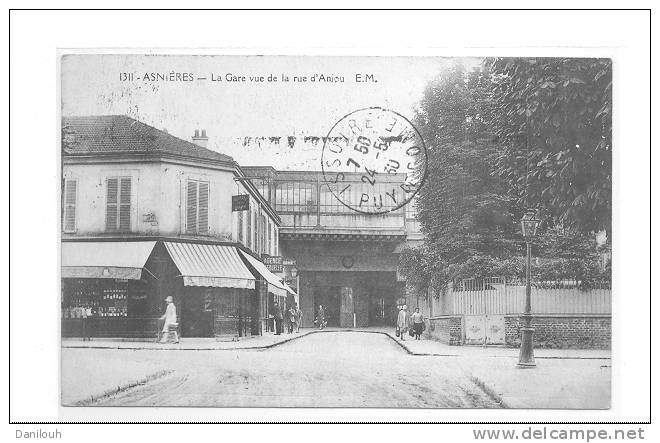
[(417, 323)]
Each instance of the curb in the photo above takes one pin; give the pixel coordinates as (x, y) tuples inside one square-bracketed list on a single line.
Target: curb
[(431, 354), (160, 348), (319, 331)]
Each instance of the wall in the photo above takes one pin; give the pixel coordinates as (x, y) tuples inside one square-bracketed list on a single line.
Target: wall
[(446, 329), (563, 331), (91, 193), (159, 189), (328, 255)]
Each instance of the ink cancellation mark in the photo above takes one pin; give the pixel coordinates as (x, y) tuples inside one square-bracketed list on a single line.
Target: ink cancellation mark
[(374, 161)]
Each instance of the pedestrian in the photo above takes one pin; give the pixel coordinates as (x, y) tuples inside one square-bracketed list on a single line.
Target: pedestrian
[(170, 325), (402, 322), (320, 317), (292, 319), (278, 319), (417, 323), (299, 315)]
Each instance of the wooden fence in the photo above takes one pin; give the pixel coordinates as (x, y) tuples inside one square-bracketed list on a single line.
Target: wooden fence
[(500, 297)]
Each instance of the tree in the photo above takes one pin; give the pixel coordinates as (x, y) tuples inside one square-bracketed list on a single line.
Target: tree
[(553, 120), (481, 176), (465, 211)]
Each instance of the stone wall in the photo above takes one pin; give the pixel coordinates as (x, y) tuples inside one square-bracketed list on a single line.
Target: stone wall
[(446, 329), (584, 331)]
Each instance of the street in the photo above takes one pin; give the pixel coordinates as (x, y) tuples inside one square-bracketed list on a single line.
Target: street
[(333, 369)]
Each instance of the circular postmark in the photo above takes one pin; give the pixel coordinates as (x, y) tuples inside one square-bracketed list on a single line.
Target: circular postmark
[(374, 161)]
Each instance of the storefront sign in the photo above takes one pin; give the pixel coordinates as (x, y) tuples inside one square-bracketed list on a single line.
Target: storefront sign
[(289, 261), (274, 264), (240, 202)]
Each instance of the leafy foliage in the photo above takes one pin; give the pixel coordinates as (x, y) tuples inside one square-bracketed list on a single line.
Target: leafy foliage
[(481, 175), (465, 211), (553, 120)]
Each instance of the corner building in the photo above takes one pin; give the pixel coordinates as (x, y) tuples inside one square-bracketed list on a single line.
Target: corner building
[(146, 215)]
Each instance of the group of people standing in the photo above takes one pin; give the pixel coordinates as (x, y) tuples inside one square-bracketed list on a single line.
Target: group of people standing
[(412, 324), (291, 318)]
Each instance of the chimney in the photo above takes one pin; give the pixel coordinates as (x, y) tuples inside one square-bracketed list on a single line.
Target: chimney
[(200, 140)]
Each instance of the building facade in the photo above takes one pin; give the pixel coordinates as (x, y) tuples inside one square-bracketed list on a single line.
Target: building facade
[(345, 260), (146, 215)]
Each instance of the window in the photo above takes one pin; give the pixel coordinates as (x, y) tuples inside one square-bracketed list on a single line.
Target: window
[(118, 204), (240, 226), (249, 229), (411, 208), (255, 232), (270, 238), (277, 242), (70, 194), (262, 225), (197, 207), (296, 197)]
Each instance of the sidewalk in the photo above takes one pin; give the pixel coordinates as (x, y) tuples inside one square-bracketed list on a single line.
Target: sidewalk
[(431, 347), (562, 379), (265, 341), (424, 347)]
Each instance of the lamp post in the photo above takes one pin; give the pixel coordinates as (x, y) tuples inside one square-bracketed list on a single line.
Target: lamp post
[(529, 223), (294, 275)]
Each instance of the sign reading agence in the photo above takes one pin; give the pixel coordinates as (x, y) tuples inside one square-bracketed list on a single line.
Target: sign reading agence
[(274, 264)]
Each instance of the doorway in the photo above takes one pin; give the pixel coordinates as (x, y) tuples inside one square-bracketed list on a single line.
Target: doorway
[(329, 297), (382, 307), (196, 314)]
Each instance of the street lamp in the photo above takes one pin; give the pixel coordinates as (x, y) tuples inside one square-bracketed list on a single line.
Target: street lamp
[(294, 275), (530, 223)]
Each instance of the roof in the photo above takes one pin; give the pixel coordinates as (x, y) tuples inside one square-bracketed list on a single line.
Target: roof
[(110, 134)]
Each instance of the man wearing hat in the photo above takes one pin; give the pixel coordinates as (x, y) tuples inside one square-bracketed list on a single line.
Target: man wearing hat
[(170, 322)]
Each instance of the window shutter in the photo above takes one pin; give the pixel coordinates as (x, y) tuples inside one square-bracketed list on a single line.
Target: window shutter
[(203, 206), (191, 207), (70, 189), (111, 204), (125, 204)]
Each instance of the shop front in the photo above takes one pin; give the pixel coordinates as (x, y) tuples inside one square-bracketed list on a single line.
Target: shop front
[(105, 290), (216, 292), (274, 290), (118, 288)]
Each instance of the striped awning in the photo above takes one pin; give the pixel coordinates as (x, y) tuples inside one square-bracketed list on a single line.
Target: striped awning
[(275, 284), (210, 265), (111, 259)]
